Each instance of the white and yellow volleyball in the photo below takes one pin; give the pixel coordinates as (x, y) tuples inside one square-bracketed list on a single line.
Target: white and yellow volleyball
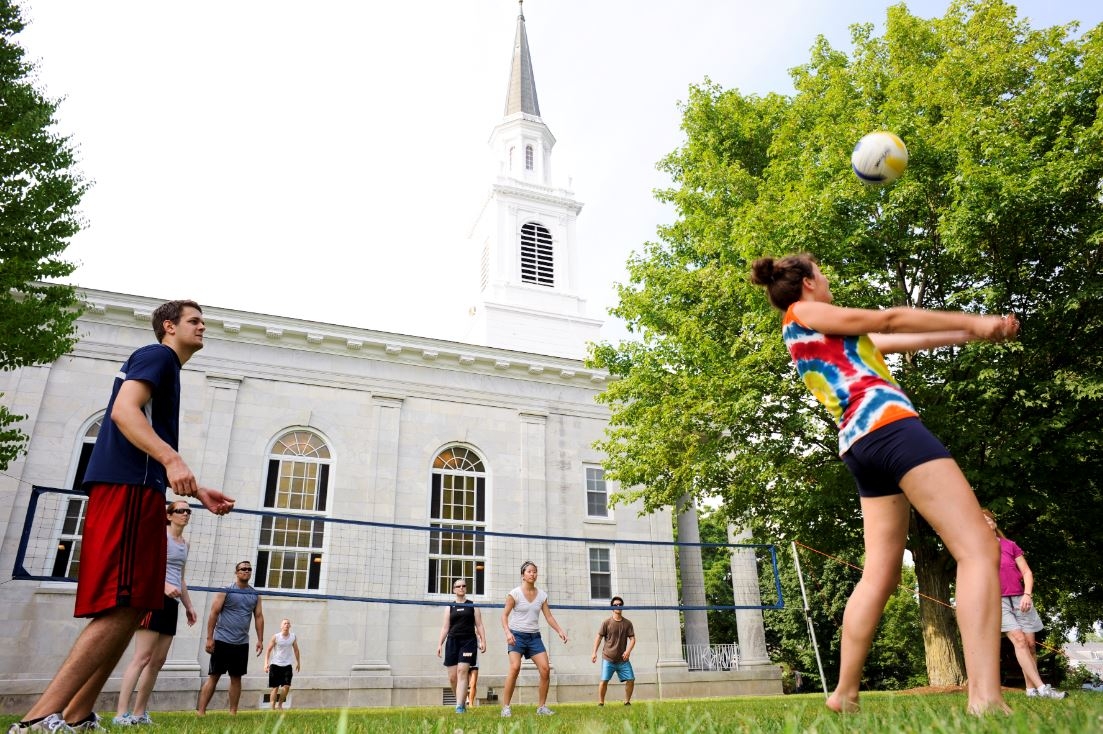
[(879, 158)]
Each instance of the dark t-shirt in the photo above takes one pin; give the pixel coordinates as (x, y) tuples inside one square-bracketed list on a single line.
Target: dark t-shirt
[(114, 459), (616, 636), (461, 621)]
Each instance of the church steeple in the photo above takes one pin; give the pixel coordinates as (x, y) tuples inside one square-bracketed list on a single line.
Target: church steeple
[(521, 95), (524, 240)]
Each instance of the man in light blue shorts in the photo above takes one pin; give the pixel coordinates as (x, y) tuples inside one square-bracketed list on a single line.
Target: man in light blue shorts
[(620, 639)]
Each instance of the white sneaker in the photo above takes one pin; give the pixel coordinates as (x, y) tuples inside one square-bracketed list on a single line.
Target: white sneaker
[(544, 711), (1048, 691), (124, 720), (52, 723), (506, 713)]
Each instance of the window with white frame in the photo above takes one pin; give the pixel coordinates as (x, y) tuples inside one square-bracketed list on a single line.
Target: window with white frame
[(537, 255), (528, 158), (67, 558), (601, 572), (457, 512), (597, 496), (290, 549)]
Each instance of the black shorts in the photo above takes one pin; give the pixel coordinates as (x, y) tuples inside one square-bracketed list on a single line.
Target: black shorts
[(227, 658), (279, 675), (461, 651), (163, 621), (879, 460)]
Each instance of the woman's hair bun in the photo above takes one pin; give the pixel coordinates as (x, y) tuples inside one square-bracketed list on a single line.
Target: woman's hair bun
[(762, 271)]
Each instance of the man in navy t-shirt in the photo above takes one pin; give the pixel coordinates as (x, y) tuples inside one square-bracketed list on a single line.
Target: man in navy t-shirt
[(122, 569)]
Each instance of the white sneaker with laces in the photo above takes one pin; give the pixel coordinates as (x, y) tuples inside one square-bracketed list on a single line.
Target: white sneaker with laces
[(52, 723), (506, 712), (1048, 691), (544, 711)]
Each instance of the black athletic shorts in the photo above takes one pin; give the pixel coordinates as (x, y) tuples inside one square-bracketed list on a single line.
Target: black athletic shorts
[(879, 460), (162, 621), (461, 651), (227, 658), (279, 675)]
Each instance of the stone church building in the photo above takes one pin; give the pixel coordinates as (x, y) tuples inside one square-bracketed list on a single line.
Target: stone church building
[(351, 454)]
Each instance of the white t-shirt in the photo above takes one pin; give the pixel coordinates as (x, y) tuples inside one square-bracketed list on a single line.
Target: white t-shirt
[(525, 616)]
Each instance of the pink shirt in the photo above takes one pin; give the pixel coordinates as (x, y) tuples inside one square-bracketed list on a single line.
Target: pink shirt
[(1011, 580)]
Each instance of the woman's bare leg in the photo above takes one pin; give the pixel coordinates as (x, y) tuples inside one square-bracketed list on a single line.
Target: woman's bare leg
[(885, 526), (942, 495), (1027, 656), (144, 641), (148, 678)]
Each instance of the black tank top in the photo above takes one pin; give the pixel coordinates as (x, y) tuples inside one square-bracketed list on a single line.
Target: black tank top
[(461, 620)]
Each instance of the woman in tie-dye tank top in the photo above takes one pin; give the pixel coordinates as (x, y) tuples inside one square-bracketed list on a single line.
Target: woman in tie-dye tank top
[(896, 462)]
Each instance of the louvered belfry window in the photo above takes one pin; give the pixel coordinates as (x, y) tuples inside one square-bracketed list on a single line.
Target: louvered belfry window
[(537, 263)]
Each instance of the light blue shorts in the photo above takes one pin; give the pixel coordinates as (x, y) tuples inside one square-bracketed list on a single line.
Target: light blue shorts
[(623, 670)]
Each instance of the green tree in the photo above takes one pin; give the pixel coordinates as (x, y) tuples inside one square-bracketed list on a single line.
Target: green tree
[(39, 194), (999, 211)]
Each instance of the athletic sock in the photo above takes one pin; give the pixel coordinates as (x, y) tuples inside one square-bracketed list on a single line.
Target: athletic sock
[(85, 720)]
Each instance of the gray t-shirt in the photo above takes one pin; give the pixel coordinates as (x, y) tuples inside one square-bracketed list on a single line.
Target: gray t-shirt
[(233, 622), (177, 557)]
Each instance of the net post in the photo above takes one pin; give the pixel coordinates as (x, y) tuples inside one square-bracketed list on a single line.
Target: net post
[(808, 618)]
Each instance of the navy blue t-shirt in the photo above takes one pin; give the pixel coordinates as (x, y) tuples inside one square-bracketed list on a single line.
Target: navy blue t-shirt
[(114, 459)]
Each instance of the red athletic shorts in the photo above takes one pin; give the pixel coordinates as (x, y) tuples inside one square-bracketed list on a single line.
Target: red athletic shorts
[(123, 550)]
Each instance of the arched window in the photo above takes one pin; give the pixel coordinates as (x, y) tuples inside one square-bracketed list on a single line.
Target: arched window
[(457, 501), (67, 559), (528, 158), (537, 265), (290, 551)]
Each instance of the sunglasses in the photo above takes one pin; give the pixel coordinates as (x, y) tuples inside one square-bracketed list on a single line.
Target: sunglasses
[(181, 511), (460, 586), (245, 570)]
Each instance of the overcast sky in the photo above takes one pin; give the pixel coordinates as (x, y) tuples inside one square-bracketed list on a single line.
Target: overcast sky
[(326, 160)]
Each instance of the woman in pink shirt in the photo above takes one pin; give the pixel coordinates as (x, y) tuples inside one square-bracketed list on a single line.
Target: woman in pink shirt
[(1019, 618)]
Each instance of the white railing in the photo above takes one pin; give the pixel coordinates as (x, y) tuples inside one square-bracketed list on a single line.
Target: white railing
[(711, 657)]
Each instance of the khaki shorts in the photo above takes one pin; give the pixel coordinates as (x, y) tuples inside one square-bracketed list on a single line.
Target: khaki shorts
[(1012, 619)]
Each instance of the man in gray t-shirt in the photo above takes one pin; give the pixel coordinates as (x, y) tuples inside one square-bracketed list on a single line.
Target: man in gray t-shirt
[(228, 635)]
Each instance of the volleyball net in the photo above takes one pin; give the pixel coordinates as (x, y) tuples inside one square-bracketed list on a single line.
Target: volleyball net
[(325, 557)]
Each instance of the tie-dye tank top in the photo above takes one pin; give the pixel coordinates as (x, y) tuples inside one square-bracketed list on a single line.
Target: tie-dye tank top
[(849, 376)]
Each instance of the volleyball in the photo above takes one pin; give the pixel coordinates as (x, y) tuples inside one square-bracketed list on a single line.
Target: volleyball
[(879, 158)]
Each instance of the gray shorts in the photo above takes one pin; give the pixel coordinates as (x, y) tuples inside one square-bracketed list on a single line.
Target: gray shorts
[(1012, 619)]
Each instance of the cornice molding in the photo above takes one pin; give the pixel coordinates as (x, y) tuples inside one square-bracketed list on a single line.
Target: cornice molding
[(123, 310)]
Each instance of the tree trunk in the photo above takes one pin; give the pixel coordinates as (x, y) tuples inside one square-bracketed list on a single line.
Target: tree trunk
[(941, 643)]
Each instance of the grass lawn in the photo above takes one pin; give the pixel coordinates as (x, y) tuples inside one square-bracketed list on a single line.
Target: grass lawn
[(881, 713)]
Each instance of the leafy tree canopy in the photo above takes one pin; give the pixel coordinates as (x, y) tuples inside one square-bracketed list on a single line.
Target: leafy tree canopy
[(39, 194), (1000, 211)]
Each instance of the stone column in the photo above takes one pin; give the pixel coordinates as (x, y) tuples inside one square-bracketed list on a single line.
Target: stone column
[(205, 437), (386, 413), (534, 476), (749, 626), (693, 576)]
